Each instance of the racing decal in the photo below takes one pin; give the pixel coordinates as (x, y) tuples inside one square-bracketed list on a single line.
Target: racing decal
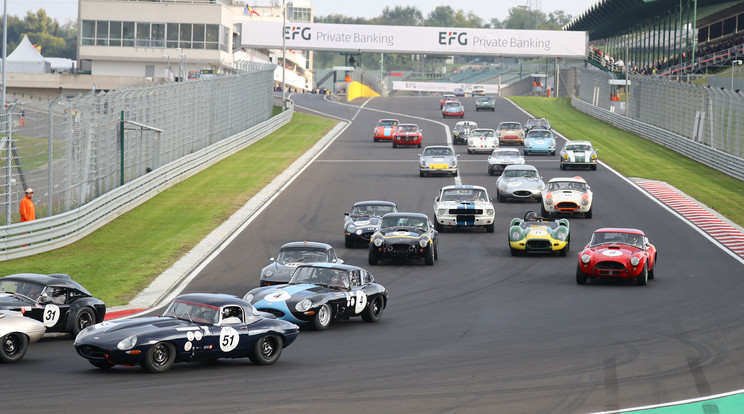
[(361, 301), (187, 346), (538, 232), (295, 264), (51, 315), (387, 130), (362, 223), (229, 339), (198, 335), (349, 299), (280, 296), (190, 336), (612, 253)]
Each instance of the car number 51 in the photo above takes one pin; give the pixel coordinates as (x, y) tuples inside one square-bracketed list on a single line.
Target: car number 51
[(229, 339)]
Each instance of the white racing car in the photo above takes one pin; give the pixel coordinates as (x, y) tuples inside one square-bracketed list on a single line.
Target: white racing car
[(463, 206), (482, 140), (567, 195)]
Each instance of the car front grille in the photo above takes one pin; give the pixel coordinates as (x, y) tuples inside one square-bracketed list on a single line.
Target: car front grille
[(523, 193), (538, 244), (274, 312), (567, 206), (91, 351), (466, 211), (610, 268)]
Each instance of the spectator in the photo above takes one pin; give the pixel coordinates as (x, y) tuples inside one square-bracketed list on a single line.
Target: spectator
[(27, 209)]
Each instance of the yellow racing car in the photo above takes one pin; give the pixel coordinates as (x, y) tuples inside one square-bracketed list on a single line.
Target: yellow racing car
[(535, 234)]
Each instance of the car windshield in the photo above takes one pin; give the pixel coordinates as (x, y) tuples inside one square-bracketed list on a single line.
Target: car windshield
[(418, 223), (539, 134), (485, 133), (387, 122), (29, 290), (321, 276), (567, 185), (464, 194), (301, 254), (631, 239), (510, 126), (578, 147), (192, 311), (408, 128), (371, 210), (452, 104), (520, 174), (506, 153), (438, 152)]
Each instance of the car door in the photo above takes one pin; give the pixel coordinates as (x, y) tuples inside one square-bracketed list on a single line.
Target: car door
[(54, 314)]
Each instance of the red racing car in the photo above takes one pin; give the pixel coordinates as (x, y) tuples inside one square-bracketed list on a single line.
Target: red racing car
[(407, 134), (619, 253), (385, 129)]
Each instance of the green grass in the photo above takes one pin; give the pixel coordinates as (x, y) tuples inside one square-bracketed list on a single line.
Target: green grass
[(120, 259), (633, 156), (33, 151)]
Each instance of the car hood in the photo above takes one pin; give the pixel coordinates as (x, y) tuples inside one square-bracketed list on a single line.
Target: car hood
[(401, 236), (464, 205), (12, 301), (521, 182), (438, 159), (120, 329), (365, 221), (266, 297), (567, 195), (505, 160), (617, 252), (578, 156), (510, 131)]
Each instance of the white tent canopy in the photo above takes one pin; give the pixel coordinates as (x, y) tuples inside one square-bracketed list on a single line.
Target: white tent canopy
[(26, 59)]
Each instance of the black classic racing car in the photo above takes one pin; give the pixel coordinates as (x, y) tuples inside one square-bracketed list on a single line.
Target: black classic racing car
[(404, 236), (321, 292), (293, 254), (364, 219), (196, 326), (62, 304)]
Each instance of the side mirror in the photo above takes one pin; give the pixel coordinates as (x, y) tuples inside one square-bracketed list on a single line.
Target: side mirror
[(339, 261), (419, 155), (44, 297), (272, 260), (596, 149), (458, 155), (346, 214), (436, 199)]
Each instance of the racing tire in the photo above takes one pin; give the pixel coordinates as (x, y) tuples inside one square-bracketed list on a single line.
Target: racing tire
[(588, 214), (13, 347), (563, 166), (83, 319), (429, 258), (594, 167), (652, 271), (513, 251), (493, 110), (490, 172), (322, 319), (454, 174), (469, 152), (490, 228), (544, 212), (372, 255), (159, 358), (438, 227), (499, 197), (418, 145), (436, 251), (376, 139), (421, 174), (552, 153), (642, 278), (101, 364), (348, 242), (373, 312), (395, 145), (462, 116), (266, 350), (564, 251), (580, 276)]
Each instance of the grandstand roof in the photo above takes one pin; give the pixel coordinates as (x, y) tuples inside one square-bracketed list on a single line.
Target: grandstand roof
[(608, 18)]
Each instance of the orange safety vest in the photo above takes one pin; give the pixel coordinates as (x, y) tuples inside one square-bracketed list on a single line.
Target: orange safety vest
[(27, 210)]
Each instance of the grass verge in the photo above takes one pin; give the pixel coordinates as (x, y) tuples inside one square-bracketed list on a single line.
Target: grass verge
[(122, 258), (634, 156)]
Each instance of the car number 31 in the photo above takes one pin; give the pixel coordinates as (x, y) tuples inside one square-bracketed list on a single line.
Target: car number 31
[(51, 315)]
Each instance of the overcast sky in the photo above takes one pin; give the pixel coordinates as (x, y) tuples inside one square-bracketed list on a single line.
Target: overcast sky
[(64, 10)]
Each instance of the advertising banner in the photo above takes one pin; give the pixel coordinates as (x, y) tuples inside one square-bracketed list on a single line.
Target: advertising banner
[(416, 39), (444, 87)]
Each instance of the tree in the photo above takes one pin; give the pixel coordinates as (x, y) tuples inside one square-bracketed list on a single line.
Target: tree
[(522, 17), (441, 16), (400, 16)]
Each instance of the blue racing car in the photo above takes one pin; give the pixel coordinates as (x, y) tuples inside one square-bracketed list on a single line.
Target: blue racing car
[(539, 141)]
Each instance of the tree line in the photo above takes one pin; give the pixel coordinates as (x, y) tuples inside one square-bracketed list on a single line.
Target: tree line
[(55, 39)]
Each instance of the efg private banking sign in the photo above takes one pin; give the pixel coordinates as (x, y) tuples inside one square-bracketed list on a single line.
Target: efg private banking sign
[(415, 39)]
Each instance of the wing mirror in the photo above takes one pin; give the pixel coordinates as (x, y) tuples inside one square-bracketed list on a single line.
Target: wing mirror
[(272, 260), (346, 214)]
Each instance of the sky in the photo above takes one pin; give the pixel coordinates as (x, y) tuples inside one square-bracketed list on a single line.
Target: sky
[(64, 10)]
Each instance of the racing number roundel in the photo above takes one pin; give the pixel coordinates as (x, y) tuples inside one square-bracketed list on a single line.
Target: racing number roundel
[(229, 339), (361, 301), (280, 296), (51, 315)]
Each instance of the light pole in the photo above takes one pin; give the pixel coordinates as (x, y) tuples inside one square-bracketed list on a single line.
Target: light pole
[(284, 53), (733, 65), (169, 68)]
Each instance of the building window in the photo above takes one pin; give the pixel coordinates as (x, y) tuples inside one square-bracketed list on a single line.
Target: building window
[(159, 35), (172, 32), (213, 36), (127, 34), (102, 28), (89, 32), (143, 34), (114, 33), (185, 36), (198, 36)]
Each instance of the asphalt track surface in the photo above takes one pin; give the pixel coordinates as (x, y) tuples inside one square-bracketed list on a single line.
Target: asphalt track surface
[(480, 331)]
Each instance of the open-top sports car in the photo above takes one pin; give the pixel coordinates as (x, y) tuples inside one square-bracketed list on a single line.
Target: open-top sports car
[(385, 129), (485, 103), (567, 195), (404, 236), (57, 301), (500, 158), (195, 327), (445, 98), (438, 159), (478, 91), (578, 154), (462, 130), (16, 333), (620, 253), (539, 141), (535, 234), (536, 123), (510, 133), (407, 134), (320, 293), (453, 108), (482, 140), (293, 254), (463, 206), (520, 182), (363, 221)]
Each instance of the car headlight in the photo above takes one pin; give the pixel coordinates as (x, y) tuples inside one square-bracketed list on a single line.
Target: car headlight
[(503, 186), (359, 232), (585, 258), (584, 201), (423, 164), (515, 235), (634, 261), (540, 186), (378, 242), (304, 305), (268, 273), (548, 201), (565, 156), (561, 236), (453, 163), (423, 242), (441, 212), (351, 228), (594, 156), (489, 212), (127, 343), (248, 297)]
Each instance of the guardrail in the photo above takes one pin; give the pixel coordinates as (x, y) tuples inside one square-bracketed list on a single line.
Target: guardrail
[(38, 236), (716, 159)]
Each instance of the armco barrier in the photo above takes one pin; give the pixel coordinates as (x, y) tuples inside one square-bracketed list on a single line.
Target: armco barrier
[(29, 238), (716, 159)]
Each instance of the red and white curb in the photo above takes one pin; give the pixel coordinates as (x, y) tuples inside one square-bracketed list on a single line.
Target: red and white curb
[(725, 232)]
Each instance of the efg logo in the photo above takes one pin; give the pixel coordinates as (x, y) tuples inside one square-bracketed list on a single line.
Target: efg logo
[(291, 34), (446, 38)]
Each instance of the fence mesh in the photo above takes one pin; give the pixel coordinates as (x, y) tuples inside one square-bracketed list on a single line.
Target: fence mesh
[(161, 123)]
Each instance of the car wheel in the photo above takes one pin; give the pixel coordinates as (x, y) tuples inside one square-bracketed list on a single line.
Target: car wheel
[(499, 197), (372, 254), (395, 145), (490, 172), (348, 242), (429, 258), (438, 227), (419, 145), (83, 319), (544, 212), (564, 251), (552, 153), (14, 346), (101, 364), (594, 167), (642, 278), (563, 166), (652, 271), (373, 311), (462, 116), (376, 139), (266, 350), (436, 251), (580, 276), (421, 174), (489, 228), (322, 318), (588, 214), (159, 358), (513, 251), (493, 110), (454, 174)]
